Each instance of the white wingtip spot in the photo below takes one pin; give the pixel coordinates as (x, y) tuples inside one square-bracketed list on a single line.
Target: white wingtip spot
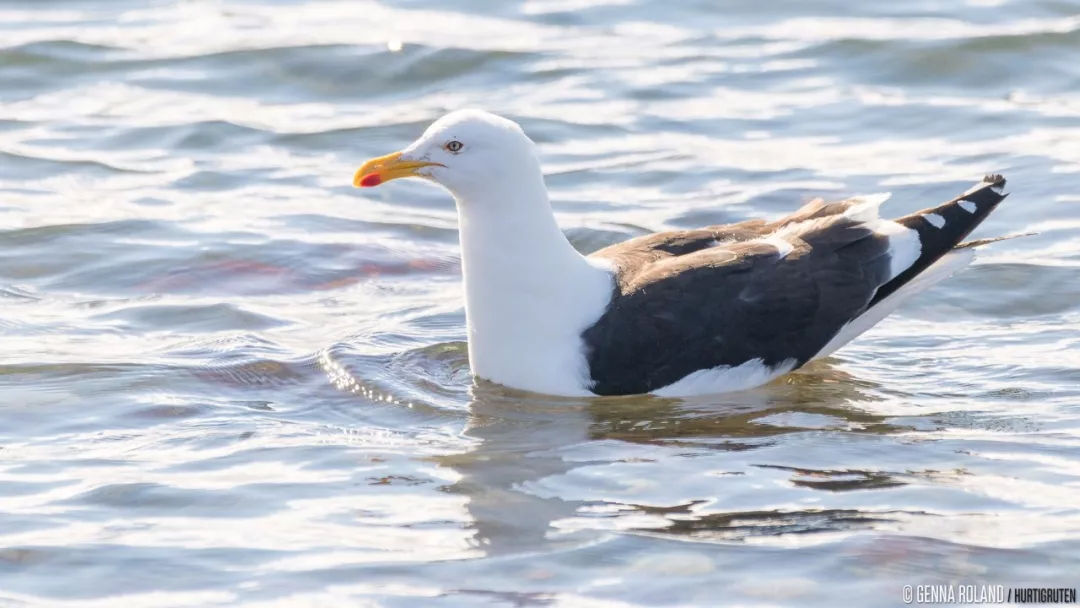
[(968, 206), (935, 220), (998, 188)]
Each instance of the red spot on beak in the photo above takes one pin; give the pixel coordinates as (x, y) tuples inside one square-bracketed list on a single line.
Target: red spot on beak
[(369, 180)]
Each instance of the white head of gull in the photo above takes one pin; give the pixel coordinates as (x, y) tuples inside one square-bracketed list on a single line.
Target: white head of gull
[(682, 312), (528, 293)]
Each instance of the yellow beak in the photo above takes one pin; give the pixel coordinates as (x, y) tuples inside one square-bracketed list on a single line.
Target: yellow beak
[(386, 168)]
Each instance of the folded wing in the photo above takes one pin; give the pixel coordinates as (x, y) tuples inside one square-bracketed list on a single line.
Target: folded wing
[(771, 295)]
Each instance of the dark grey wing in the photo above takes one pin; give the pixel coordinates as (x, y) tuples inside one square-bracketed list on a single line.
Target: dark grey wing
[(733, 303), (649, 248), (817, 209), (693, 300)]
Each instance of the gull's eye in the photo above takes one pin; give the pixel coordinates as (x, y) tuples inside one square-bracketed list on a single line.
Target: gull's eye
[(454, 146)]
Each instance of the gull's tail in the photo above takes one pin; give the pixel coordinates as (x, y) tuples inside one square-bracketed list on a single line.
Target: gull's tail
[(942, 229)]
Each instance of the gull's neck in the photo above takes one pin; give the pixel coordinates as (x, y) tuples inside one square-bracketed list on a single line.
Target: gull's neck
[(528, 293)]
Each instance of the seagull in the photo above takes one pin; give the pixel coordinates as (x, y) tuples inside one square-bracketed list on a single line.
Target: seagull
[(678, 313)]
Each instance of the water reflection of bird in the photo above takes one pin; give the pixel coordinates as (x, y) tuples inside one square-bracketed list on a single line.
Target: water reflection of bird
[(725, 421), (519, 438), (523, 438), (688, 312)]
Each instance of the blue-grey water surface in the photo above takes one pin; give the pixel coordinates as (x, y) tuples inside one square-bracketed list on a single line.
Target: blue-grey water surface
[(227, 377)]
